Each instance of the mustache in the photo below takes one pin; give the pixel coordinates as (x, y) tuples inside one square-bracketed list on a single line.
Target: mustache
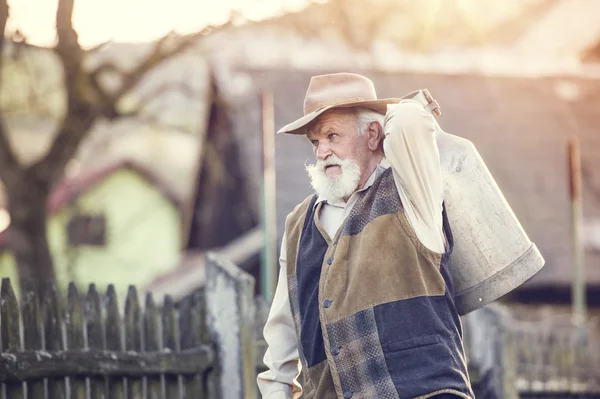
[(323, 163)]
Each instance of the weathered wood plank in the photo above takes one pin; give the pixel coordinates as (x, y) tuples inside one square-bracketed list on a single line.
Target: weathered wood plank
[(102, 363), (114, 340), (189, 386), (152, 340), (133, 339), (193, 334), (32, 339), (96, 338), (10, 331), (74, 324), (52, 317), (231, 324), (170, 334)]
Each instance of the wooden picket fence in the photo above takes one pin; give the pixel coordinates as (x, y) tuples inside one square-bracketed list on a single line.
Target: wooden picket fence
[(556, 358), (531, 359), (86, 349)]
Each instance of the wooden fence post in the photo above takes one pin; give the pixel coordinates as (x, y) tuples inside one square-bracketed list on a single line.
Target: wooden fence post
[(114, 340), (192, 328), (75, 338), (10, 331), (133, 339), (230, 322), (170, 333), (491, 347), (96, 338), (152, 344), (32, 338), (53, 323)]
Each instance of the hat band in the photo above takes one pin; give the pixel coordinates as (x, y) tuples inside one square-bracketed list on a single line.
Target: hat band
[(334, 102)]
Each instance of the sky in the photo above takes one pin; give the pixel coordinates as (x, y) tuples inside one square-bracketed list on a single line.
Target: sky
[(98, 21)]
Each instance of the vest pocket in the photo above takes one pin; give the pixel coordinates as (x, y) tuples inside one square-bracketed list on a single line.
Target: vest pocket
[(420, 365), (410, 343)]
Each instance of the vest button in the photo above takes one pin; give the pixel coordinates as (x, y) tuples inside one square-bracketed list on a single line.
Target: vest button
[(327, 303), (330, 260), (348, 394), (335, 351)]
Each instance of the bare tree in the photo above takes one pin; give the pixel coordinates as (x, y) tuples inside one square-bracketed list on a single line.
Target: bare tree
[(87, 101)]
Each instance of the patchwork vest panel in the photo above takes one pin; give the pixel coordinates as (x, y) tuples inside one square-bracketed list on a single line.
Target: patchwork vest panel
[(373, 308)]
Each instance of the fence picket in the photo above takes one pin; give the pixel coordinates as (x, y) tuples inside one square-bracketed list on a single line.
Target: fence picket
[(193, 334), (32, 339), (170, 328), (74, 324), (114, 342), (152, 343), (95, 335), (11, 337), (170, 333), (133, 339), (53, 338)]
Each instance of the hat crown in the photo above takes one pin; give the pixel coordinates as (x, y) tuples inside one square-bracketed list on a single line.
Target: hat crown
[(337, 89)]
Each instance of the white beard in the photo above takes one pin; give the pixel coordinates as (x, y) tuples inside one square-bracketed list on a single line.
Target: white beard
[(334, 188)]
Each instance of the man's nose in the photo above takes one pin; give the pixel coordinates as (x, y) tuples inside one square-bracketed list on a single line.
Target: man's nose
[(323, 151)]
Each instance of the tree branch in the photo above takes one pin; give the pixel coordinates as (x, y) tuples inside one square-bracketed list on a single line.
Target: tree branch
[(168, 87), (8, 161), (161, 52), (97, 47), (68, 48), (80, 113), (4, 10), (86, 98)]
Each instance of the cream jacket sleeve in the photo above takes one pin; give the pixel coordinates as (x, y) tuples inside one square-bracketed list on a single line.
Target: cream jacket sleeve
[(281, 356), (411, 150)]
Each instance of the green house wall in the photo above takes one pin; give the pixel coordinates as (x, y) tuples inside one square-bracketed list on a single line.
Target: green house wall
[(142, 236)]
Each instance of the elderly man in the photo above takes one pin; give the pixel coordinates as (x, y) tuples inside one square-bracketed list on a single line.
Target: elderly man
[(364, 301)]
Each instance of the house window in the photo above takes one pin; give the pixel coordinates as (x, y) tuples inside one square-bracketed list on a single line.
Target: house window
[(87, 230)]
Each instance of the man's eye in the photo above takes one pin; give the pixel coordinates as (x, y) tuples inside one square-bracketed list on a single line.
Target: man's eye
[(331, 136), (314, 143)]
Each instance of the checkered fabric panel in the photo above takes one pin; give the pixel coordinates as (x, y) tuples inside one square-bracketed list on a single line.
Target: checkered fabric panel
[(295, 307), (367, 209), (360, 363)]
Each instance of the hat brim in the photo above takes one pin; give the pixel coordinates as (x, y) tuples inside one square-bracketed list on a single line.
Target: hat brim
[(297, 127)]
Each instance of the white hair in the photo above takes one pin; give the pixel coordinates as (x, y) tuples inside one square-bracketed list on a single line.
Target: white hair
[(364, 117)]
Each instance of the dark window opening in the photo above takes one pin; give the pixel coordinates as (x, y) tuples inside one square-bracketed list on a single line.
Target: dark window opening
[(87, 230)]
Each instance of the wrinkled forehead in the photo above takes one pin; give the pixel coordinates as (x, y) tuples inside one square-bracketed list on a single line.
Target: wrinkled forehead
[(337, 119)]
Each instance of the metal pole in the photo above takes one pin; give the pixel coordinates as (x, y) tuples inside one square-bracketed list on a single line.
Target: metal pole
[(269, 217), (578, 286)]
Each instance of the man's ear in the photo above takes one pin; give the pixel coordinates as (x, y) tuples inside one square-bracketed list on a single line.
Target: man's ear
[(374, 136)]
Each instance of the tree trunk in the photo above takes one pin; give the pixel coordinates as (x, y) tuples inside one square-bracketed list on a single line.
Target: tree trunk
[(29, 244)]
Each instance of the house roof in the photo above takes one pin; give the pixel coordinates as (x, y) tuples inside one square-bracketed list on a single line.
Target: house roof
[(508, 38), (68, 190), (190, 273), (520, 127)]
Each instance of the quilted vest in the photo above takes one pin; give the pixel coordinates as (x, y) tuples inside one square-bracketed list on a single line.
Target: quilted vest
[(373, 307)]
